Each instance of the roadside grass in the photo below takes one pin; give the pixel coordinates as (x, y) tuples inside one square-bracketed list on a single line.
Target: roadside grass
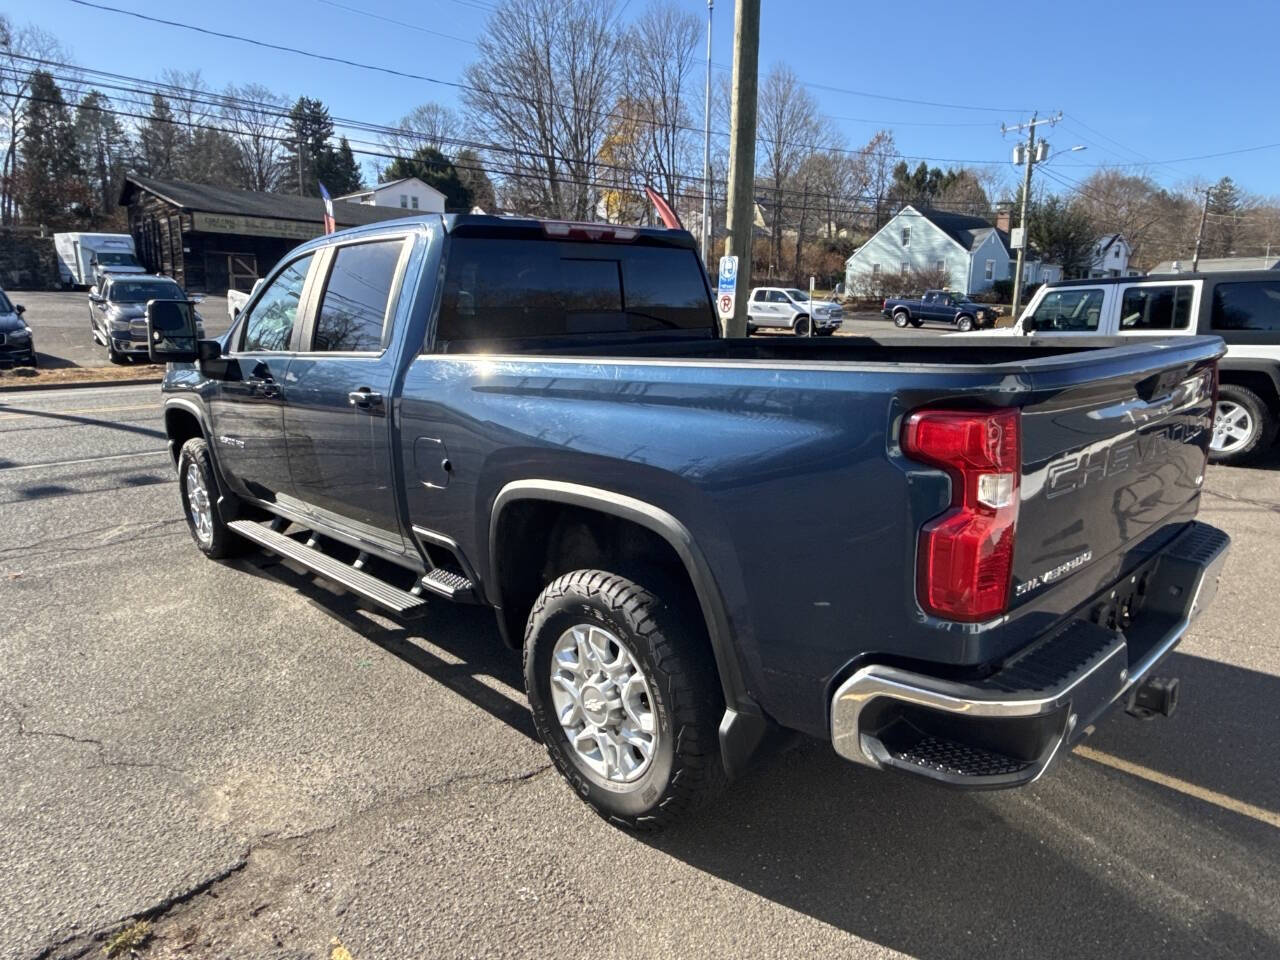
[(128, 940)]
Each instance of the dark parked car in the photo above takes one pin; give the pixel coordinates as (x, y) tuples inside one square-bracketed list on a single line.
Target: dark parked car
[(951, 308), (949, 561), (17, 342), (117, 310)]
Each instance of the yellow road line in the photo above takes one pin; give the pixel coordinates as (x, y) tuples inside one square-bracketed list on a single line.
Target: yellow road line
[(1262, 815), (36, 413)]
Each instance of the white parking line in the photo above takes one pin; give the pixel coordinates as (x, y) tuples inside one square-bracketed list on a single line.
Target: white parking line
[(71, 463), (1262, 815), (34, 412)]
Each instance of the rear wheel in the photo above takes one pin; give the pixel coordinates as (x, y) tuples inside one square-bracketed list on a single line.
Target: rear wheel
[(901, 318), (1243, 424), (624, 697)]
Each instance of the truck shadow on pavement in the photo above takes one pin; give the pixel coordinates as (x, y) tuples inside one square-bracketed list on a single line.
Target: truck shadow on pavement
[(1091, 861)]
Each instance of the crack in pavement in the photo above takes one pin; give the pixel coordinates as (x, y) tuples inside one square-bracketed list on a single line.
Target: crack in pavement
[(128, 534), (100, 747), (1262, 504)]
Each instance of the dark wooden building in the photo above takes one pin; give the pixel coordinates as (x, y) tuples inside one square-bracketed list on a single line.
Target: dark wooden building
[(211, 239)]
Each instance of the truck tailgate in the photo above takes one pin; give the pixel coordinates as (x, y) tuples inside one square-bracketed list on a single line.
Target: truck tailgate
[(1109, 461)]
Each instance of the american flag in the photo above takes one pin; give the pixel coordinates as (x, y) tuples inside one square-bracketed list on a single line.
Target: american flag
[(330, 224)]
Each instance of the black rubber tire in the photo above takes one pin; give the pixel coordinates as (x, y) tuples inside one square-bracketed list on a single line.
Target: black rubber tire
[(901, 318), (1264, 433), (686, 771), (224, 542), (917, 323), (964, 323), (113, 355), (801, 328), (825, 331)]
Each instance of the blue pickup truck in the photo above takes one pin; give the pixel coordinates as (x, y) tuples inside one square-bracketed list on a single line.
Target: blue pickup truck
[(946, 561), (953, 309)]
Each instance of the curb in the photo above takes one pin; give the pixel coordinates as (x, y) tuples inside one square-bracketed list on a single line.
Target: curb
[(73, 384)]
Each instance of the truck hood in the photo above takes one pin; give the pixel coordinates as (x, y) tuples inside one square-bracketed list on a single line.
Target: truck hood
[(10, 322)]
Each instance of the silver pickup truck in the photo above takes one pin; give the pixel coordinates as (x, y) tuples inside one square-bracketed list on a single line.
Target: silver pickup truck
[(785, 308)]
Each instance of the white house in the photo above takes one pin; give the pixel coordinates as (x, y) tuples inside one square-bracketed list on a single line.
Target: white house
[(972, 252), (408, 193), (1110, 257)]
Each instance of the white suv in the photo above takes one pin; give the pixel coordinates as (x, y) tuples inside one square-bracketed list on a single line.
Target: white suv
[(785, 308), (1241, 307)]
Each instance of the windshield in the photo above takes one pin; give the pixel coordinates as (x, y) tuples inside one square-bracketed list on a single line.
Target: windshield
[(117, 260), (140, 291), (798, 295), (5, 305)]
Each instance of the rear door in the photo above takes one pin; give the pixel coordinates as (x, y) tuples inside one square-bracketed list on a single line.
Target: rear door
[(338, 421), (247, 408), (1157, 309)]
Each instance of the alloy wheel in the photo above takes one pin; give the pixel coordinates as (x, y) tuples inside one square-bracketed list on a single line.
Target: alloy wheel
[(1233, 425)]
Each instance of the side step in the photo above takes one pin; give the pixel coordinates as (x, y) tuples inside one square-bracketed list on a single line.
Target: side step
[(449, 584), (346, 576)]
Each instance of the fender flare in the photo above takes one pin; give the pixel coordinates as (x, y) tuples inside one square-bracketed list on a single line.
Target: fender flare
[(1269, 368), (744, 726)]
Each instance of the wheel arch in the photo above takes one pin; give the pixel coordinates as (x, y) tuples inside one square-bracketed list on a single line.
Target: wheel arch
[(1260, 376), (183, 420), (743, 726)]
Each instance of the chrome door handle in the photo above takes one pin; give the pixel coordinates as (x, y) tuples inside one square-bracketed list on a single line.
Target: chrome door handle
[(263, 387), (365, 399)]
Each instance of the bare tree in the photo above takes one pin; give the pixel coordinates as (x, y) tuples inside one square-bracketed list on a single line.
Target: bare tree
[(789, 132), (17, 46), (660, 57), (542, 90), (260, 121), (426, 125)]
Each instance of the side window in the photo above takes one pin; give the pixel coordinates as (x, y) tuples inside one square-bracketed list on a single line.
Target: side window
[(1156, 308), (1254, 305), (413, 201), (1072, 310), (270, 323), (354, 305), (777, 296), (760, 296), (906, 236)]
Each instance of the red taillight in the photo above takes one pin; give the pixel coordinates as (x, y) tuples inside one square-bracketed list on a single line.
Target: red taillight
[(965, 559)]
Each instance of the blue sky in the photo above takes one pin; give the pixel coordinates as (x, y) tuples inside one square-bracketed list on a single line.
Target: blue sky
[(1141, 82)]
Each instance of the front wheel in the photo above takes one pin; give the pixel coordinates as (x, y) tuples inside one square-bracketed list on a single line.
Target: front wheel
[(964, 324), (825, 331), (801, 328), (1243, 424), (624, 697), (198, 491)]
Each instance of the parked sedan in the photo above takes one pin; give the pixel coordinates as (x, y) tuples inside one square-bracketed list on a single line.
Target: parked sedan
[(117, 312), (17, 342)]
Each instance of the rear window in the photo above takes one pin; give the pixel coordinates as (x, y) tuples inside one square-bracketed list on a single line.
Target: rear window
[(1156, 308), (1253, 305), (354, 305), (500, 289)]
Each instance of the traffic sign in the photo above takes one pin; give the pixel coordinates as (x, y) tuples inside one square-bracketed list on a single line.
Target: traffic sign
[(725, 303), (727, 289)]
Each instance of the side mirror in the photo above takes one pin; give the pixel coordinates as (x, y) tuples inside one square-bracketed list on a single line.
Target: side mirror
[(1029, 324), (196, 298), (171, 332), (19, 309)]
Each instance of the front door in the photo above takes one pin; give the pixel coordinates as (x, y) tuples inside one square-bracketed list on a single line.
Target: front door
[(339, 416), (247, 408)]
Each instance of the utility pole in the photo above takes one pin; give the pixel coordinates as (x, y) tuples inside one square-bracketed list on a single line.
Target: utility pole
[(1029, 160), (1204, 215), (742, 154), (706, 149), (300, 193)]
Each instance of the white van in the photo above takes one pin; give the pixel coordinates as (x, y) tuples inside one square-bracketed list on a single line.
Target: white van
[(83, 256)]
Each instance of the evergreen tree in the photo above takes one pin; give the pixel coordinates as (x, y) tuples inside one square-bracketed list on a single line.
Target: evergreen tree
[(476, 180), (49, 183), (102, 144), (1225, 205), (310, 129), (432, 167), (1063, 234), (160, 140), (339, 171)]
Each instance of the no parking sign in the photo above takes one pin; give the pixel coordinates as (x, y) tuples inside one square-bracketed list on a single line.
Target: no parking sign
[(727, 289)]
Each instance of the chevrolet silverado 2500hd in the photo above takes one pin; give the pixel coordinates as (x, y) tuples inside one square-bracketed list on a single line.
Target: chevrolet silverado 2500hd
[(947, 560)]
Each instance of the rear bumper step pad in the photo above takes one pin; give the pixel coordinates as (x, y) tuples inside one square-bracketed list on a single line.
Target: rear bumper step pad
[(1005, 730)]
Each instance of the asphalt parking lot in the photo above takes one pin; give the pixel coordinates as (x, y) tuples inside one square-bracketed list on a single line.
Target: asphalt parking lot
[(264, 768), (60, 321)]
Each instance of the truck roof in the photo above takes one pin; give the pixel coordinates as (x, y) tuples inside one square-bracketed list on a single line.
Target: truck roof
[(1217, 275)]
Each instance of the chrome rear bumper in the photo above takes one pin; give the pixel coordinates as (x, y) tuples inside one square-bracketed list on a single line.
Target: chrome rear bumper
[(1007, 729)]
